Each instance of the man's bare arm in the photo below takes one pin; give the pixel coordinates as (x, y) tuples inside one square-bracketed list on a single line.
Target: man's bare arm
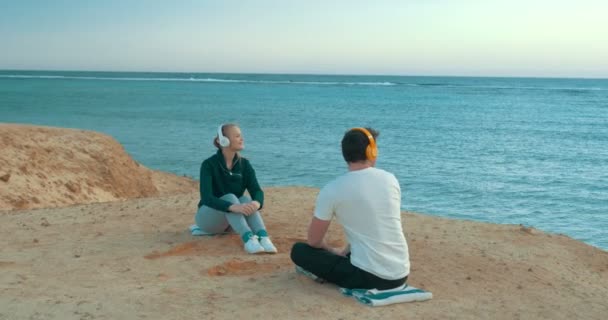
[(316, 233)]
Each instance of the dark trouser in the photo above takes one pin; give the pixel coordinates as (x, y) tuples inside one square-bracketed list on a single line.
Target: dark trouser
[(337, 269)]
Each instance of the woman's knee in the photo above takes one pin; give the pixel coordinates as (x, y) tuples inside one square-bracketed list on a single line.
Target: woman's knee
[(230, 197), (245, 199)]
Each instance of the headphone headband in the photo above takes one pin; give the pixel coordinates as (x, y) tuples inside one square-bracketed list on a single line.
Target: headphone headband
[(371, 152)]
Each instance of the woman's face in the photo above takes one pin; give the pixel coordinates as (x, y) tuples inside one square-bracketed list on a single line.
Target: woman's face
[(237, 143)]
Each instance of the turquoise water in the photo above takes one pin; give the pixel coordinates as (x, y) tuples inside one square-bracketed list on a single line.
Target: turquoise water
[(504, 150)]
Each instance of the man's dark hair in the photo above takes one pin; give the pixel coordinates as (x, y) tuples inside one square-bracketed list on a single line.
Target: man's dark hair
[(354, 144)]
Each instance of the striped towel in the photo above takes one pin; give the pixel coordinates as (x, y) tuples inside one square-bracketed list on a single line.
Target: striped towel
[(374, 297)]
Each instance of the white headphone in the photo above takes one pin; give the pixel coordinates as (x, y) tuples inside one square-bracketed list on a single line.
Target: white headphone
[(223, 140)]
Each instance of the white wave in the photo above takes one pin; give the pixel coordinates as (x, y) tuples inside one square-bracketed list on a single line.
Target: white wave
[(320, 83), (191, 79), (446, 85), (538, 88), (337, 83)]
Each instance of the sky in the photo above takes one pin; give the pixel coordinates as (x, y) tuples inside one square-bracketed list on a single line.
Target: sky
[(538, 38)]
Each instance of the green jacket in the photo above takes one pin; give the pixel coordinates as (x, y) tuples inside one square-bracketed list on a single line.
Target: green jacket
[(217, 181)]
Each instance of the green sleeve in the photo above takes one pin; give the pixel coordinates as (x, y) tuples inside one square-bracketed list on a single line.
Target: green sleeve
[(206, 190), (253, 186)]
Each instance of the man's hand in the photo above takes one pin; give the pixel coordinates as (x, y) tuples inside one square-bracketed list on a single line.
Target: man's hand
[(340, 251)]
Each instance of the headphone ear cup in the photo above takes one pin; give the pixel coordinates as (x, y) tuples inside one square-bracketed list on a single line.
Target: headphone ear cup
[(371, 153), (224, 142), (221, 138)]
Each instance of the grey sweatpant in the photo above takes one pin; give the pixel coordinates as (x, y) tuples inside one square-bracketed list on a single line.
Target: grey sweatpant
[(215, 221)]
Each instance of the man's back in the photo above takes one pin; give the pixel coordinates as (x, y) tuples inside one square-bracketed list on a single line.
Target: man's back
[(367, 203)]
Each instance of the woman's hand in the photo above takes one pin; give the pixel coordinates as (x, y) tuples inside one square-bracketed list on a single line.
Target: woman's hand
[(251, 207), (238, 208), (254, 205), (245, 208)]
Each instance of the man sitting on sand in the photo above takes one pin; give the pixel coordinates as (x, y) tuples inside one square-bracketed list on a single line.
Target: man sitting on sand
[(366, 201)]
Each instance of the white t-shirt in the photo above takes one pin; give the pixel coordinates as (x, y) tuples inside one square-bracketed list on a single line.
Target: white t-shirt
[(367, 203)]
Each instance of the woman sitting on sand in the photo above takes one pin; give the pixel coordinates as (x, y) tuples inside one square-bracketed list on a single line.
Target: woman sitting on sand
[(224, 178)]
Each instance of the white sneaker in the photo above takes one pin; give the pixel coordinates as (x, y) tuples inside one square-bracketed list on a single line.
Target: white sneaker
[(253, 245), (267, 245)]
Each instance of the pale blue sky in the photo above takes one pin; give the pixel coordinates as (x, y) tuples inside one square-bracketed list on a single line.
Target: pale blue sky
[(426, 37)]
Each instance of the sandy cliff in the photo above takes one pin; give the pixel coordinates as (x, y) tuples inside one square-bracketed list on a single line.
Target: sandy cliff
[(44, 167)]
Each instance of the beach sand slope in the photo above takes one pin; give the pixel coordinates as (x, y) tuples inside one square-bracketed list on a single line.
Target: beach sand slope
[(135, 259)]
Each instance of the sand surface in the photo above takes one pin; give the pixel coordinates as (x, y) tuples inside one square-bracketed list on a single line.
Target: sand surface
[(133, 258)]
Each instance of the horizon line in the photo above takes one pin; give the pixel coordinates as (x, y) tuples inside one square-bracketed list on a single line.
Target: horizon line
[(317, 74)]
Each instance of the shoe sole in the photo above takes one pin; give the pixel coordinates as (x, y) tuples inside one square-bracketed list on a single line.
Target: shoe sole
[(309, 275)]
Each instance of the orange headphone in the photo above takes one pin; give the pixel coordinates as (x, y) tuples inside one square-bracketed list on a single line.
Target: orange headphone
[(371, 152)]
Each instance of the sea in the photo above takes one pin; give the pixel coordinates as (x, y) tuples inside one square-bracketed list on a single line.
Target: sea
[(530, 151)]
